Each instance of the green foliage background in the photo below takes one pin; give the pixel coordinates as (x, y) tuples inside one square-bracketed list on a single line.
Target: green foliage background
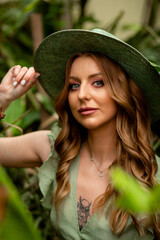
[(16, 47)]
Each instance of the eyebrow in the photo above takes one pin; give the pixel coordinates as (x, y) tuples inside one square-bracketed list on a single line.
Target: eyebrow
[(90, 76)]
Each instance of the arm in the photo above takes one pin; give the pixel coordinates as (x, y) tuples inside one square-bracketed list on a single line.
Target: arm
[(28, 150), (31, 149)]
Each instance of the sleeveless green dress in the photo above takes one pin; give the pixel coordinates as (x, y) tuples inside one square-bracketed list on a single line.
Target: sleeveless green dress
[(66, 226)]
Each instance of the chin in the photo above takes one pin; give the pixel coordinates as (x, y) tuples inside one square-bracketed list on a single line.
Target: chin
[(94, 125), (90, 126)]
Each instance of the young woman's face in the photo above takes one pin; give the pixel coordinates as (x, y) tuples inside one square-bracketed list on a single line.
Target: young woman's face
[(88, 96)]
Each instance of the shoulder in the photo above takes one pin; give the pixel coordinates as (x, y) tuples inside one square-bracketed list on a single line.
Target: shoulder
[(48, 138), (42, 144)]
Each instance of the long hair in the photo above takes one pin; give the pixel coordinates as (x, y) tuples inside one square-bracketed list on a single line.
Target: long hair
[(134, 143)]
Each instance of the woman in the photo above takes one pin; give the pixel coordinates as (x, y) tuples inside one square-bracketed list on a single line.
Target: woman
[(104, 119)]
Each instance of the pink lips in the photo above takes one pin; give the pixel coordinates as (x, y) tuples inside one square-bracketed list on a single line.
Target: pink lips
[(87, 110)]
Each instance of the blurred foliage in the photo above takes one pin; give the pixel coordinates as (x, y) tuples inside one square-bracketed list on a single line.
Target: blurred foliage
[(137, 199), (26, 182), (150, 46), (16, 222), (82, 17), (16, 47)]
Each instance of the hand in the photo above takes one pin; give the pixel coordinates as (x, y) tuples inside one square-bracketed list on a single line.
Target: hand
[(15, 83)]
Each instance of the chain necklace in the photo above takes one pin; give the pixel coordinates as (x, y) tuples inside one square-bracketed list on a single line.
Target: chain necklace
[(100, 171)]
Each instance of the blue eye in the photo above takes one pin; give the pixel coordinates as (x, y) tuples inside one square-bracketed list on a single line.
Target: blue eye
[(73, 86), (98, 83)]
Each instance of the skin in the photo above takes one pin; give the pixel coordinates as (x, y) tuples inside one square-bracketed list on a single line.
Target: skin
[(87, 89)]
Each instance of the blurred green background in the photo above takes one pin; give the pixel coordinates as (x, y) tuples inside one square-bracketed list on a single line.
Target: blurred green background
[(23, 25)]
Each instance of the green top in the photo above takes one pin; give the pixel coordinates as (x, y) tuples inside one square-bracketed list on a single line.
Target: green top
[(66, 225)]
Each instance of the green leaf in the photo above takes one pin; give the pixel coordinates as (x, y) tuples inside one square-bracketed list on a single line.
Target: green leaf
[(17, 223), (30, 118), (155, 195), (13, 112), (31, 5), (133, 196), (47, 103)]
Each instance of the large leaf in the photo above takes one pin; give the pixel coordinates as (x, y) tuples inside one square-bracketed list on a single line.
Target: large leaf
[(17, 222), (132, 195)]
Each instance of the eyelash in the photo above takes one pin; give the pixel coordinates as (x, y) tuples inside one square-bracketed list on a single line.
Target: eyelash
[(99, 81), (71, 85)]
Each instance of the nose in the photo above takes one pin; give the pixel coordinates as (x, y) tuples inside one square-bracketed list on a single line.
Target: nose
[(84, 93)]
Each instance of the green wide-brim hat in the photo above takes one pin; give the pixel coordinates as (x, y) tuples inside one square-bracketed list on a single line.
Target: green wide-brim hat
[(52, 54)]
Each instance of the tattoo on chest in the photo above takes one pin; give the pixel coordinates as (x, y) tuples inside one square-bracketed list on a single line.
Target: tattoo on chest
[(83, 211)]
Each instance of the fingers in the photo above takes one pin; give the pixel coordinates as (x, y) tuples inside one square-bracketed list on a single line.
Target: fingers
[(16, 83), (15, 70), (30, 79), (18, 74), (23, 76)]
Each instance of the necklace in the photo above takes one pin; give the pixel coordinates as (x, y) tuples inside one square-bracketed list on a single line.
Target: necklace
[(91, 158), (100, 171)]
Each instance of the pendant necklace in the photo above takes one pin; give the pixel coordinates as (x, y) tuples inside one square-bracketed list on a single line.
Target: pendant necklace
[(100, 171)]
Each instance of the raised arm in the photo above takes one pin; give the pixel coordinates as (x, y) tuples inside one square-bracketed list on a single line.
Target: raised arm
[(29, 150)]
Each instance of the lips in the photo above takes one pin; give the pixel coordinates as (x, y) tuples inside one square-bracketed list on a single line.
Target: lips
[(87, 110)]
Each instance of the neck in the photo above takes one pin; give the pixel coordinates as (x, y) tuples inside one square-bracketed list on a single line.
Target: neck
[(102, 145)]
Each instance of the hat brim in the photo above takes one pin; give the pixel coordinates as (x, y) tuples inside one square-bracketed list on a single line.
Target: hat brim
[(51, 57)]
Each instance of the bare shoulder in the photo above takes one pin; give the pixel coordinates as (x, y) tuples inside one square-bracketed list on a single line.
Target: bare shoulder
[(41, 143)]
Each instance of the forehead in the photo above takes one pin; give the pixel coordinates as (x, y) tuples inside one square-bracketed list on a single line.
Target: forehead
[(85, 64)]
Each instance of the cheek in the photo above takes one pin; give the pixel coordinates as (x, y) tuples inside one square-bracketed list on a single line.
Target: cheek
[(113, 107), (104, 98), (108, 103)]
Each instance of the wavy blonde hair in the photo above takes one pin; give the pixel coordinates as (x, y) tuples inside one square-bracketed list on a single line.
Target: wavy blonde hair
[(134, 145)]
